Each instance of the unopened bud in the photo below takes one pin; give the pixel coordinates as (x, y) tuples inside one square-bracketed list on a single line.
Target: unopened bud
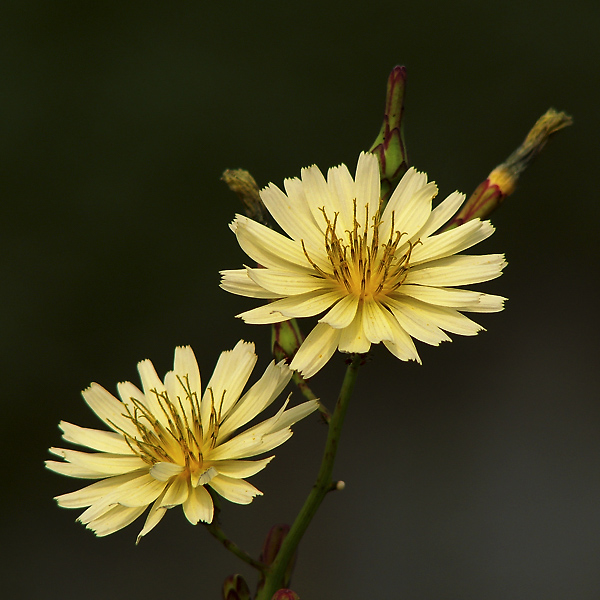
[(244, 185), (286, 338), (502, 181), (235, 588), (271, 547), (389, 145), (285, 595)]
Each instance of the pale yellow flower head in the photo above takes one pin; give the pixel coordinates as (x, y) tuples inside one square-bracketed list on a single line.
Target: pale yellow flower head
[(169, 441), (374, 274)]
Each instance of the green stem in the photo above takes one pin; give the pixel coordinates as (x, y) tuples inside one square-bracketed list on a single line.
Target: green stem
[(323, 485), (310, 395), (216, 531)]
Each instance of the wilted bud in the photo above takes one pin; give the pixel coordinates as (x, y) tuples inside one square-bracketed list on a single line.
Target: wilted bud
[(502, 181), (235, 588), (244, 185), (285, 595), (389, 145)]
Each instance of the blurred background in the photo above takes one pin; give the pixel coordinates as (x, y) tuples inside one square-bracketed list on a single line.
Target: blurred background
[(476, 475)]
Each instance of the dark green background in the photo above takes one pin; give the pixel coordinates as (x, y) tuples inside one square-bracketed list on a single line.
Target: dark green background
[(474, 476)]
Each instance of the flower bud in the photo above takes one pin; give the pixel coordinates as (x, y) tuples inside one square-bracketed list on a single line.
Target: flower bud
[(271, 547), (502, 181), (235, 588), (285, 595), (389, 145)]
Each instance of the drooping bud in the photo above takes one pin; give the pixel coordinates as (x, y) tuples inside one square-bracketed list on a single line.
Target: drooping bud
[(502, 181), (285, 595), (235, 588), (389, 145)]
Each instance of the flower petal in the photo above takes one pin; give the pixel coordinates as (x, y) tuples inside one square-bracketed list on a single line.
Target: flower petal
[(285, 283), (451, 242), (316, 350), (237, 469), (108, 408), (115, 519), (342, 313), (353, 338), (198, 506), (238, 282), (234, 490), (105, 441), (457, 270)]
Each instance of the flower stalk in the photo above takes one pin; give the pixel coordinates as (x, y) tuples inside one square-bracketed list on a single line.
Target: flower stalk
[(275, 573)]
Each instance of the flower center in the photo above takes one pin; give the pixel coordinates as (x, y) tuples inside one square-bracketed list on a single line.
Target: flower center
[(362, 264), (178, 436)]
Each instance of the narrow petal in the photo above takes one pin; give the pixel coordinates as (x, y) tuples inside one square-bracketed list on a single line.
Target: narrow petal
[(234, 490), (416, 324), (444, 318), (375, 322), (302, 305), (154, 517), (412, 181), (342, 186), (442, 213), (316, 350), (285, 283), (108, 408), (458, 299), (318, 196), (290, 212), (353, 337), (94, 492), (238, 469), (115, 519), (231, 374), (451, 242), (238, 282), (257, 398), (70, 470), (367, 186), (267, 247), (309, 231), (104, 464), (457, 270), (105, 441), (141, 491), (342, 313), (163, 471), (177, 492), (198, 506)]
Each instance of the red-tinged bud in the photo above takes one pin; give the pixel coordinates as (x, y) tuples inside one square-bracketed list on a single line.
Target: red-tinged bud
[(273, 542), (286, 338), (389, 145), (285, 595), (271, 547), (235, 588), (502, 181)]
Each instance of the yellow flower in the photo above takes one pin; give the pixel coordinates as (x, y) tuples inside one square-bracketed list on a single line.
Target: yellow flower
[(168, 442), (378, 274)]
